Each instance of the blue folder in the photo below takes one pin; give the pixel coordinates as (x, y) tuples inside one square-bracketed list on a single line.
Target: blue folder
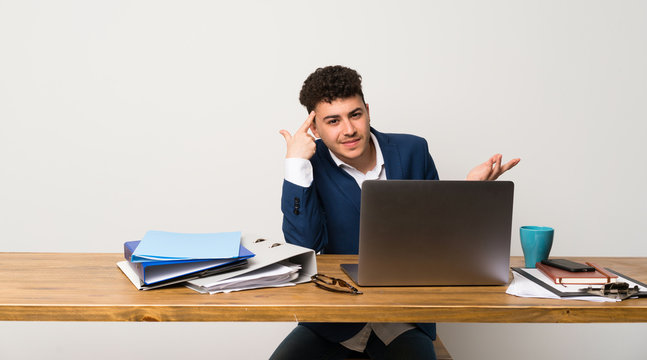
[(160, 272), (164, 245)]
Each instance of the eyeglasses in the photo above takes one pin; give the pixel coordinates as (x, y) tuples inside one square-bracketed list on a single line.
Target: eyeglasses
[(333, 284)]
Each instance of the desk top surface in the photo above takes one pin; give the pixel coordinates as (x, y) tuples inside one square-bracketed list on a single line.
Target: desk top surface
[(90, 287)]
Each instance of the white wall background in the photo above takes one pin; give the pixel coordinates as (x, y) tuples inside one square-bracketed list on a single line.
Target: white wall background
[(117, 117)]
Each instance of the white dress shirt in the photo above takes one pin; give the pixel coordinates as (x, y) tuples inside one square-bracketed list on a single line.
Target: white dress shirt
[(299, 172)]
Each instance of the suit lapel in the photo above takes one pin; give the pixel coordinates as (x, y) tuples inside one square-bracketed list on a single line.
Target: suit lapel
[(391, 154)]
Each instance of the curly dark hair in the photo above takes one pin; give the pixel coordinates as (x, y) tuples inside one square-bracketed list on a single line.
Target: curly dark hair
[(330, 83)]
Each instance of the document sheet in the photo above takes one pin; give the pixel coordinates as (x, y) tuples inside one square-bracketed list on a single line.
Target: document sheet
[(274, 275)]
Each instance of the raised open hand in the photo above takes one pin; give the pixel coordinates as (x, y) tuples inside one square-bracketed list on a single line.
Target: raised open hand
[(491, 169)]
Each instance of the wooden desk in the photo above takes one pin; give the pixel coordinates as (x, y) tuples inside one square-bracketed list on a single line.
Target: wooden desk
[(90, 287)]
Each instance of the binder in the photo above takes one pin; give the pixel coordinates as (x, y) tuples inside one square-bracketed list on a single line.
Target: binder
[(267, 253), (150, 274), (127, 269)]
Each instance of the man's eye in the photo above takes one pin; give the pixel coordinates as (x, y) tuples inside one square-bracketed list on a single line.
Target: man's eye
[(332, 122), (355, 115)]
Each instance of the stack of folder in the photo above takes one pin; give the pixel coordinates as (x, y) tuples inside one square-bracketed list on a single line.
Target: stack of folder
[(276, 264), (164, 258)]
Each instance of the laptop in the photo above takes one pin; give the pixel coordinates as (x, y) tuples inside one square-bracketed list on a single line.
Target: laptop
[(425, 233)]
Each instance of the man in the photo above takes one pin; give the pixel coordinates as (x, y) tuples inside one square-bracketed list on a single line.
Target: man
[(321, 199)]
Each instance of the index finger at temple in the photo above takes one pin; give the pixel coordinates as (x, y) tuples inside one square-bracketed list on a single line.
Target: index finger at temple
[(308, 122)]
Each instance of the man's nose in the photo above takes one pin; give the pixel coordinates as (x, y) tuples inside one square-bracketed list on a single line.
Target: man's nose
[(349, 129)]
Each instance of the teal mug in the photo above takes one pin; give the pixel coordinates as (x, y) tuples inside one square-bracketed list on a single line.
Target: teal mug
[(536, 242)]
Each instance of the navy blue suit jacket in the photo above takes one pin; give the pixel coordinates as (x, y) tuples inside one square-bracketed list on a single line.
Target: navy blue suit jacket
[(325, 216)]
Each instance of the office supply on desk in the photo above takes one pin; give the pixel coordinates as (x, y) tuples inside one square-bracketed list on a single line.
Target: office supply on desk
[(568, 265), (597, 277), (536, 242), (128, 270), (274, 275), (526, 287), (163, 245), (617, 290), (419, 232), (267, 253), (531, 282), (154, 273)]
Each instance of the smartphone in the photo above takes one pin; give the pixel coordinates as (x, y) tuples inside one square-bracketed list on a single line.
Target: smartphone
[(568, 265)]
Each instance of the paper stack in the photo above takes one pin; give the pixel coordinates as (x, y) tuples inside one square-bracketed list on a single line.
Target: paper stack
[(531, 282), (275, 264), (274, 275), (165, 258)]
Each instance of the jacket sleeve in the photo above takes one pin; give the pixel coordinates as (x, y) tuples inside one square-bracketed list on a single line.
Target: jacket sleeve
[(430, 168), (304, 221)]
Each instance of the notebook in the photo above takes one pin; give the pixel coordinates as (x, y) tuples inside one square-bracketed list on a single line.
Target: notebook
[(425, 232)]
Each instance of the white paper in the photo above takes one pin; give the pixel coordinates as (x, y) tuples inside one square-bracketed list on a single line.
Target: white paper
[(273, 275), (204, 291), (268, 252)]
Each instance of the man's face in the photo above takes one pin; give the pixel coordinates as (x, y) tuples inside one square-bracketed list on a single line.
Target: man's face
[(343, 125)]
